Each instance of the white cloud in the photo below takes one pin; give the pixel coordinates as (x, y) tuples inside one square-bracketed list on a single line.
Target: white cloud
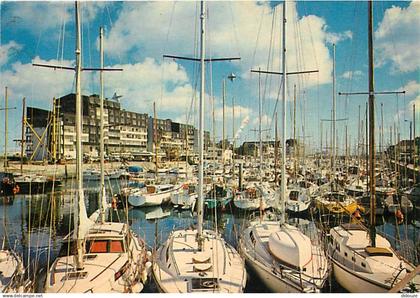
[(415, 101), (38, 85), (140, 84), (225, 37), (240, 112), (8, 50), (396, 39), (411, 88), (334, 38), (29, 14), (351, 74)]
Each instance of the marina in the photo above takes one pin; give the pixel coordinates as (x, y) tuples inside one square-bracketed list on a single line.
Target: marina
[(100, 199)]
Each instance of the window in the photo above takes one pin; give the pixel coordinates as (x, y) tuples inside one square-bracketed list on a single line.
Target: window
[(345, 254), (353, 259), (98, 246), (363, 265), (116, 246)]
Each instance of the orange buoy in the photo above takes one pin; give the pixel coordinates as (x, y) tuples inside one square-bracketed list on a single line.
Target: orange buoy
[(399, 215), (16, 189), (114, 203), (356, 214)]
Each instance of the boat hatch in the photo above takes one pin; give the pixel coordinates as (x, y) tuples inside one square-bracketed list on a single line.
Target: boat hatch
[(105, 246), (200, 284), (197, 261), (151, 189), (76, 275), (378, 251), (294, 195)]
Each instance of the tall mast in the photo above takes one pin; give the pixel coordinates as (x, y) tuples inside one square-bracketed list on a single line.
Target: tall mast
[(414, 138), (155, 139), (200, 238), (223, 124), (6, 99), (102, 196), (294, 132), (382, 129), (367, 145), (80, 216), (371, 127), (276, 150), (283, 134), (259, 124), (358, 148), (233, 137), (333, 118), (22, 140)]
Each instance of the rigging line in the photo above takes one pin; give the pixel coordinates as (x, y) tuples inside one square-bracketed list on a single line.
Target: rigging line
[(258, 36), (194, 71), (311, 36), (59, 40), (63, 41), (90, 55), (112, 25), (270, 56), (394, 48), (162, 83), (235, 31)]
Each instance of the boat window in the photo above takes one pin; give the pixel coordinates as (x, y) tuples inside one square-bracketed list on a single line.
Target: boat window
[(151, 189), (353, 259), (294, 195), (97, 246), (345, 254), (337, 246), (116, 246), (363, 265)]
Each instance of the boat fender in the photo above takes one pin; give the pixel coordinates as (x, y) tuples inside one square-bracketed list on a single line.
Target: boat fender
[(399, 215), (146, 271), (114, 203), (356, 214)]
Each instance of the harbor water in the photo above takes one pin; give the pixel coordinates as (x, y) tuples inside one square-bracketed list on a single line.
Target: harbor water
[(35, 225)]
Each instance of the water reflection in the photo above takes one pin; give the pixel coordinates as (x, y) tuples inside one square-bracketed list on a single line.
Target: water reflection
[(36, 225)]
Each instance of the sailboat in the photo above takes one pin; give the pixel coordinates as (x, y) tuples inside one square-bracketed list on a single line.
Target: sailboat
[(284, 257), (96, 257), (256, 195), (363, 261), (11, 272), (197, 260)]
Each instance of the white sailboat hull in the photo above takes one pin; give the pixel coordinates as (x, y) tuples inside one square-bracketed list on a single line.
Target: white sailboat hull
[(246, 204), (145, 199), (348, 280), (272, 281), (184, 200), (298, 206), (180, 267)]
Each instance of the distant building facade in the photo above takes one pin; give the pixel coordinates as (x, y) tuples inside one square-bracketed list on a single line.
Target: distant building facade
[(125, 132)]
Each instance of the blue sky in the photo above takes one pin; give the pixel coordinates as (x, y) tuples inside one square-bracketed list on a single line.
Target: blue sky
[(139, 33)]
